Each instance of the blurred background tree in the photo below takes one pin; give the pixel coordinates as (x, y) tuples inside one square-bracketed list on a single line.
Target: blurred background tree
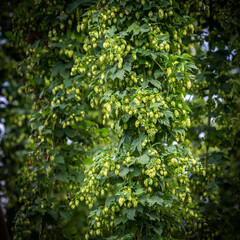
[(15, 108), (215, 104)]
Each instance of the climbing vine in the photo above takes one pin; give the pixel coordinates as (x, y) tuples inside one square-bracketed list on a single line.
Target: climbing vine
[(139, 75)]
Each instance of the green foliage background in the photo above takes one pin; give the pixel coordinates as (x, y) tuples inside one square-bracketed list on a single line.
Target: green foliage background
[(54, 125)]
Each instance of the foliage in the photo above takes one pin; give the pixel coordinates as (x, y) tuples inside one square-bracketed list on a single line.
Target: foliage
[(138, 72), (105, 85)]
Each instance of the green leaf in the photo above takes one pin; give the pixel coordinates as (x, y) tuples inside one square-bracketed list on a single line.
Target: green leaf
[(172, 149), (135, 28), (155, 199), (136, 172), (136, 144), (127, 67), (144, 159), (139, 191), (126, 117), (130, 212), (144, 28), (164, 121), (57, 68), (123, 34), (76, 3), (179, 130), (112, 238), (168, 114), (143, 199), (163, 38), (191, 65), (156, 83), (153, 216), (124, 172), (67, 83), (111, 32), (119, 74), (153, 55), (158, 73), (36, 43), (36, 125), (156, 105), (117, 221), (159, 230), (164, 3)]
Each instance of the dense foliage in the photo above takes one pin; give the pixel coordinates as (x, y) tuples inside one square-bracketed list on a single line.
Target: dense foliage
[(104, 85)]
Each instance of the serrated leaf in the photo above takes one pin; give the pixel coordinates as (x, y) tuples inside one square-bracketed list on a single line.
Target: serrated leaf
[(36, 43), (119, 74), (136, 172), (153, 216), (164, 54), (111, 32), (123, 34), (158, 73), (127, 67), (156, 105), (144, 159), (57, 68), (124, 172), (153, 55), (47, 131), (164, 3), (164, 121), (135, 28), (179, 130), (112, 238), (168, 114), (143, 199), (117, 221), (155, 199), (139, 191), (163, 38), (156, 83), (159, 230), (130, 212), (144, 28), (126, 117), (136, 144), (191, 65)]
